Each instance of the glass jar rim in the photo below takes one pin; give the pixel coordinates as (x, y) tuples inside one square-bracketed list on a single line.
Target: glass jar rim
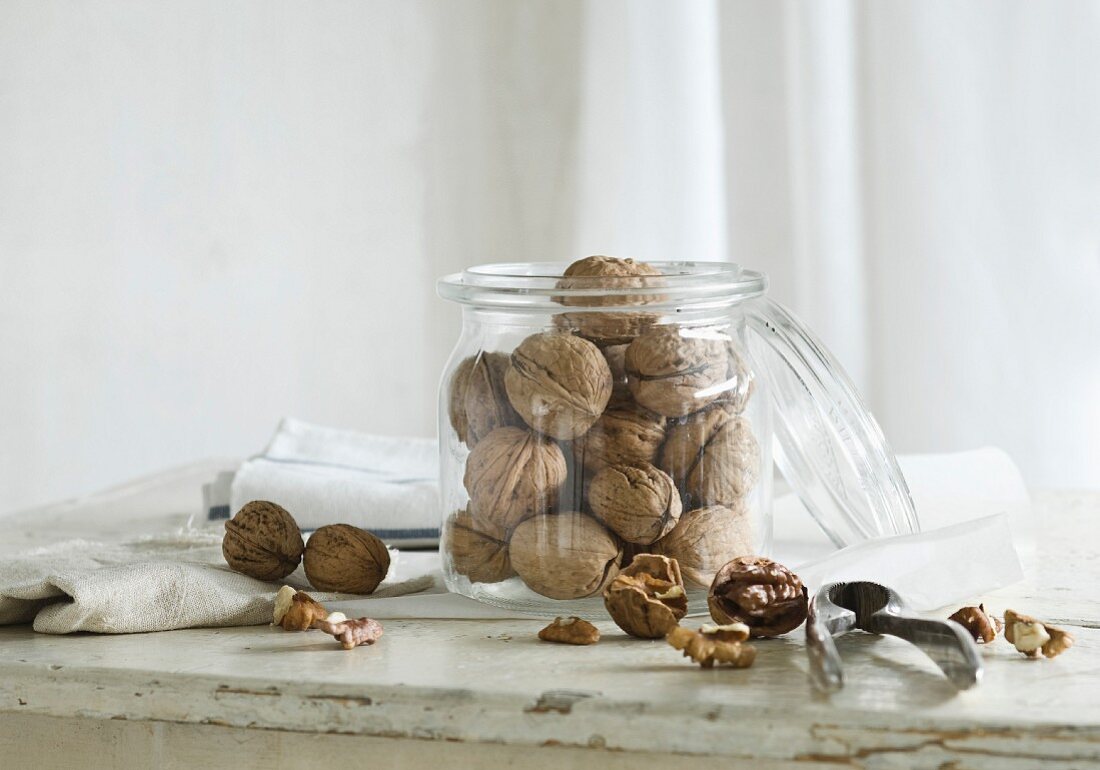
[(536, 286)]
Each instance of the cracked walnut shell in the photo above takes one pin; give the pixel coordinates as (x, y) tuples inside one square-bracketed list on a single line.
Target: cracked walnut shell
[(639, 502), (675, 370), (262, 541), (625, 434), (559, 384), (564, 555), (345, 559), (712, 456), (477, 549), (705, 539), (647, 599), (513, 473), (478, 402), (608, 327), (761, 593)]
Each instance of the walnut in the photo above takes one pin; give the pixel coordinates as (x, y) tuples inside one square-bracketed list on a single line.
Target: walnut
[(761, 593), (608, 327), (456, 398), (712, 456), (478, 402), (1032, 637), (639, 502), (570, 631), (565, 555), (558, 383), (616, 362), (676, 370), (345, 559), (477, 549), (705, 539), (262, 541), (647, 599), (714, 644), (978, 623), (625, 434), (352, 633), (298, 611), (513, 473)]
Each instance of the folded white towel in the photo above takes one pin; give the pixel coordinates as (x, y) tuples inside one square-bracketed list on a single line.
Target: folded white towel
[(324, 476)]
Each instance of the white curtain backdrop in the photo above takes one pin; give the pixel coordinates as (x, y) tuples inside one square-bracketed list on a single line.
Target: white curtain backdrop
[(214, 214)]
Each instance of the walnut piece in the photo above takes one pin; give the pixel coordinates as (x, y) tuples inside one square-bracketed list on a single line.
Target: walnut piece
[(608, 327), (570, 630), (1032, 637), (262, 541), (513, 473), (625, 434), (978, 623), (559, 384), (565, 555), (759, 592), (675, 370), (477, 548), (296, 610), (352, 633), (714, 644), (706, 538), (712, 456), (345, 559), (639, 502), (647, 599)]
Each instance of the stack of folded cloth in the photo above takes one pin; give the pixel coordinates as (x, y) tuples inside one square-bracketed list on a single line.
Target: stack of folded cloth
[(326, 476)]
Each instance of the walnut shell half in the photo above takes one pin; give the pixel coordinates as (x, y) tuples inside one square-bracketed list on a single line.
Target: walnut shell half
[(647, 599), (559, 384), (675, 370), (262, 541), (513, 473), (705, 539), (639, 502), (478, 549), (761, 593), (564, 556), (345, 559), (712, 456)]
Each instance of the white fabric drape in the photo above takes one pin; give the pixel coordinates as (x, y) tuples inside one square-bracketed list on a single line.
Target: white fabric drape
[(212, 215)]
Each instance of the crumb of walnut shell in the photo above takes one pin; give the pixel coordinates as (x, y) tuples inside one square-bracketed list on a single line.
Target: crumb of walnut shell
[(978, 623), (1032, 637), (714, 644), (759, 592), (647, 599), (352, 633), (570, 630)]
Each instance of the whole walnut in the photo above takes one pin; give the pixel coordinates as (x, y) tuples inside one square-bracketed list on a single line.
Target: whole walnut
[(478, 402), (559, 384), (616, 361), (625, 434), (345, 559), (647, 599), (705, 539), (262, 541), (608, 327), (761, 593), (712, 456), (477, 549), (675, 370), (565, 555), (639, 502), (513, 473)]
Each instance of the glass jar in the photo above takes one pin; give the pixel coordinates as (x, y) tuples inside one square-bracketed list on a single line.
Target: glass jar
[(593, 412)]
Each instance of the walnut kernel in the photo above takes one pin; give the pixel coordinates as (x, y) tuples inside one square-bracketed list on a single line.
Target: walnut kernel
[(710, 645), (978, 623), (1032, 637), (570, 630)]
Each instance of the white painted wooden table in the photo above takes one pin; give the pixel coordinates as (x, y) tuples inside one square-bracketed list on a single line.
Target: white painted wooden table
[(488, 693)]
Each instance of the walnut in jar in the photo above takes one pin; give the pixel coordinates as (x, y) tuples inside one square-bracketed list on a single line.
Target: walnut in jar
[(625, 434), (608, 327), (676, 370), (478, 549), (705, 539), (478, 402), (638, 502), (564, 555), (712, 456), (559, 384), (761, 593), (511, 474)]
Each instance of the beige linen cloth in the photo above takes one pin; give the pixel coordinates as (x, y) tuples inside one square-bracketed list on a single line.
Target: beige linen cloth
[(155, 583)]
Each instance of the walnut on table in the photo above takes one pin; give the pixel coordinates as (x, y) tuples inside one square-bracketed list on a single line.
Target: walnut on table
[(298, 611), (572, 630), (1033, 637), (724, 644), (352, 633), (647, 599), (763, 594), (345, 559), (978, 623), (263, 541)]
